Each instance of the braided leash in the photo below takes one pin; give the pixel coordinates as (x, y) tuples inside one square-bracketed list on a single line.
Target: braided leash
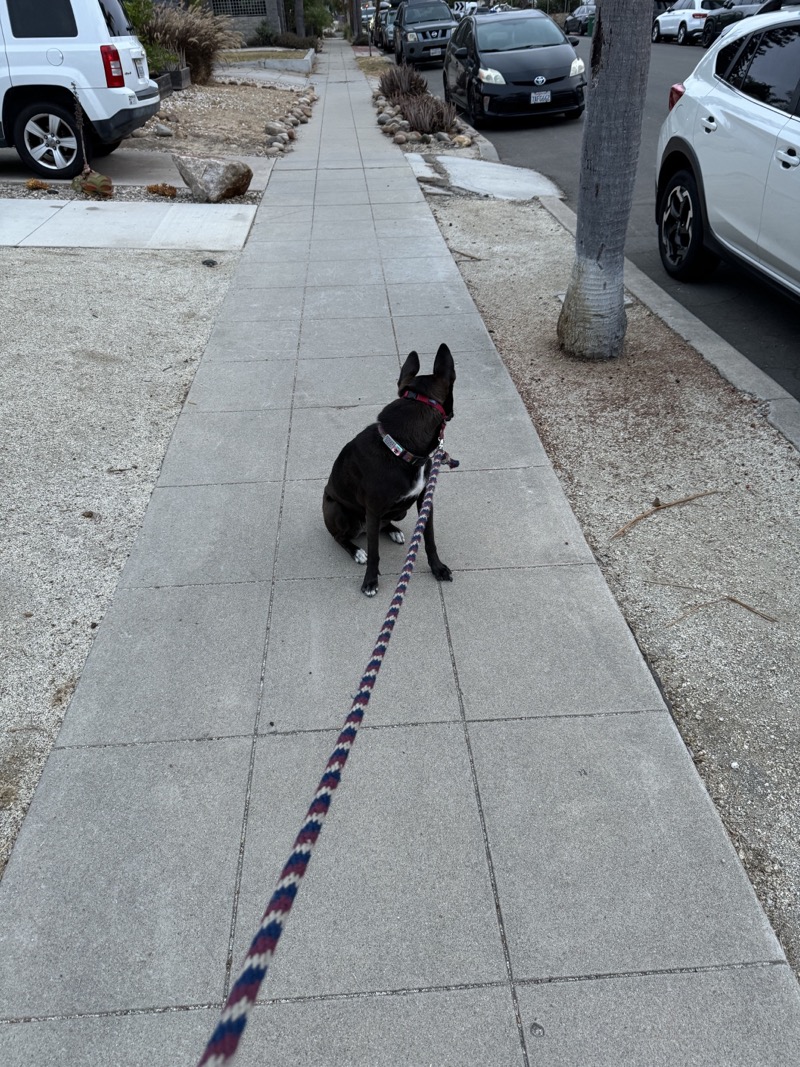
[(224, 1041)]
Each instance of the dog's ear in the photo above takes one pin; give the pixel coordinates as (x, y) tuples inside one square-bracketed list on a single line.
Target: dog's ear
[(409, 371), (443, 366)]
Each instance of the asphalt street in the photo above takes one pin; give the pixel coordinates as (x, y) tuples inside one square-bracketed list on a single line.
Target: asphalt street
[(760, 322)]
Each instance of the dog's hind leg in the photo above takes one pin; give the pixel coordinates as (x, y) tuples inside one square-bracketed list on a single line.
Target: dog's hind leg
[(343, 525), (394, 532), (441, 571)]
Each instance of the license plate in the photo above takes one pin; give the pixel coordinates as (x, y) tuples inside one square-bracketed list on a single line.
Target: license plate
[(139, 67), (435, 52), (541, 98)]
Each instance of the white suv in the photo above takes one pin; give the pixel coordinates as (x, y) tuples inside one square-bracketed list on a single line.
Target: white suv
[(683, 22), (728, 162), (54, 50)]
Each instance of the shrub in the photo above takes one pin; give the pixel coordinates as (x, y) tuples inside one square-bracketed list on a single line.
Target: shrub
[(399, 82), (291, 40), (159, 59), (262, 35), (193, 32), (265, 36), (427, 114), (317, 18)]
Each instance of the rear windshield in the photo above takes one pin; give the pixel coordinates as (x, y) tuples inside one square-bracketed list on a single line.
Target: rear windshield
[(427, 13), (119, 25), (512, 34)]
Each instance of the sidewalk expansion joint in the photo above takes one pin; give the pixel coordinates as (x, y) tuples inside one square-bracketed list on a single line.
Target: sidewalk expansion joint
[(485, 835), (711, 968)]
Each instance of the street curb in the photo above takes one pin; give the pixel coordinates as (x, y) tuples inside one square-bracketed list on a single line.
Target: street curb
[(783, 409)]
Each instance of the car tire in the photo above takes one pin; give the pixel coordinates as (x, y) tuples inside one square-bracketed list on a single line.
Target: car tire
[(398, 58), (445, 89), (655, 34), (35, 123), (681, 233), (573, 116), (473, 115), (101, 149), (708, 36), (682, 36)]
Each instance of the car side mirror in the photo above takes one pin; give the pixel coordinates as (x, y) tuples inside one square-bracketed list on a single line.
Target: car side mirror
[(574, 40), (460, 52)]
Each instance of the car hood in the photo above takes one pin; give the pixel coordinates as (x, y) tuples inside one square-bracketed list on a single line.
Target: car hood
[(551, 60), (432, 24)]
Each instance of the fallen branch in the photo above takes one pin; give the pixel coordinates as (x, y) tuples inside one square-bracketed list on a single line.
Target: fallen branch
[(661, 507), (469, 255), (720, 600)]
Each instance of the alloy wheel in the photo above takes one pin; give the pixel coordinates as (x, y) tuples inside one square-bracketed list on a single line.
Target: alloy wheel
[(677, 226), (51, 142)]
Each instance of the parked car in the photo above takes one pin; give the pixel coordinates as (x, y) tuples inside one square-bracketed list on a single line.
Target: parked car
[(578, 21), (515, 63), (384, 28), (730, 12), (728, 163), (45, 49), (683, 22), (421, 30)]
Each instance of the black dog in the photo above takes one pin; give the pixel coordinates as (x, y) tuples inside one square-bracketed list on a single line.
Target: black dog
[(382, 471)]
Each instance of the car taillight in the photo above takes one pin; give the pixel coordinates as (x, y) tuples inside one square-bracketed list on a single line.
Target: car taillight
[(676, 91), (112, 65), (699, 15)]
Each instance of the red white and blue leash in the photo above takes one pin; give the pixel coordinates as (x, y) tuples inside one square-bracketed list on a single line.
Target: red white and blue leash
[(224, 1042)]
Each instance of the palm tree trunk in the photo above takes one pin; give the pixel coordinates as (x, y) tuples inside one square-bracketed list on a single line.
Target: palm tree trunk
[(592, 321)]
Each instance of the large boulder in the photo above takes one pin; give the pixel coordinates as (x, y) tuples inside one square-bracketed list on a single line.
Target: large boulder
[(212, 180)]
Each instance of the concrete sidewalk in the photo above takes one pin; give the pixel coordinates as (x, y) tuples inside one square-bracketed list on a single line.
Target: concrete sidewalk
[(522, 865)]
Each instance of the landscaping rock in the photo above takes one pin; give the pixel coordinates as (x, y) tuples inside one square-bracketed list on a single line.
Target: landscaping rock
[(212, 180)]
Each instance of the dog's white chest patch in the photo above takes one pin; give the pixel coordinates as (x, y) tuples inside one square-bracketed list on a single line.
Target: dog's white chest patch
[(418, 485)]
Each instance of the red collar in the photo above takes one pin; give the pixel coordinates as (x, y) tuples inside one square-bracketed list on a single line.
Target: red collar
[(426, 400)]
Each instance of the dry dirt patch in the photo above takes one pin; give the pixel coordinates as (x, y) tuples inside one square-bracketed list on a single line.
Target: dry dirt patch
[(222, 117)]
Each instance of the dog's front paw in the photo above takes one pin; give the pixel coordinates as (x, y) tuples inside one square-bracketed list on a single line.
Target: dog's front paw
[(360, 556), (369, 588), (442, 573)]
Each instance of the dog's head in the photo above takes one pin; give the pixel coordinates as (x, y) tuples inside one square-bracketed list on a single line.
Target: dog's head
[(438, 386)]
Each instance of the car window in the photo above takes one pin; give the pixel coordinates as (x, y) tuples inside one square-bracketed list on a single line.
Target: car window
[(512, 34), (725, 57), (774, 70), (46, 18), (117, 21), (427, 13)]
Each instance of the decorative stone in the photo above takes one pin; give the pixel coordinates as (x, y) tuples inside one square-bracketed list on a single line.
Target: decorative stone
[(274, 127), (212, 180), (461, 141), (400, 138), (163, 131)]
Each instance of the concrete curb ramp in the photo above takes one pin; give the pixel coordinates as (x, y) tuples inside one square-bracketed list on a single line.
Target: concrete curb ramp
[(522, 866)]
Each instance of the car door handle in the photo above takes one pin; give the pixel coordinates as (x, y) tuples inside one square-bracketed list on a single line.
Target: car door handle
[(788, 157), (709, 124)]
